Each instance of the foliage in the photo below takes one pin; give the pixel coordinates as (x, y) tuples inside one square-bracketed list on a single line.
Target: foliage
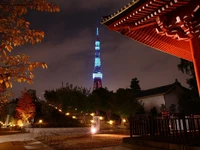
[(163, 107), (172, 108), (125, 103), (32, 93), (103, 98), (68, 98), (25, 108), (188, 104), (135, 85), (3, 111), (154, 111), (76, 99), (52, 117), (15, 31), (188, 68)]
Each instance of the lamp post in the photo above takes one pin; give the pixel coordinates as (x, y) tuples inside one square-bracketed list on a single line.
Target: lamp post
[(40, 122)]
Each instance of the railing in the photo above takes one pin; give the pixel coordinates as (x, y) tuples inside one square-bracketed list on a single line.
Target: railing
[(185, 128)]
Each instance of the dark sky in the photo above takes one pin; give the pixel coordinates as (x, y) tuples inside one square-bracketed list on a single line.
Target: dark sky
[(68, 49)]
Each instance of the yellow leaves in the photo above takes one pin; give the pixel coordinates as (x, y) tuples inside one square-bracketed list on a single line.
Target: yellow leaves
[(8, 84), (27, 24), (15, 31), (44, 65), (31, 75), (30, 68), (1, 81), (23, 10), (4, 52), (9, 48), (9, 77), (45, 6), (35, 65), (19, 80)]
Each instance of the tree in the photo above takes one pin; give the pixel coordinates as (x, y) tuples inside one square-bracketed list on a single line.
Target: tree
[(25, 108), (172, 108), (68, 97), (15, 31), (163, 107), (154, 111), (32, 93), (125, 103), (135, 85), (188, 104), (188, 68)]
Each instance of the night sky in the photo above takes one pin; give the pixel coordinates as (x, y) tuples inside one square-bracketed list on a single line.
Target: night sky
[(68, 49)]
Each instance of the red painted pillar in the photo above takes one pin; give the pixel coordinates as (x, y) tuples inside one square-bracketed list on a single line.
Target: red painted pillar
[(195, 51)]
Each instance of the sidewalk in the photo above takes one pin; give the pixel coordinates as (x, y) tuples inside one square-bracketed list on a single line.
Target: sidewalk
[(23, 145), (21, 141)]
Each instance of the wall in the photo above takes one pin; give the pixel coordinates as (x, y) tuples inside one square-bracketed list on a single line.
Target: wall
[(58, 131), (153, 101), (172, 97)]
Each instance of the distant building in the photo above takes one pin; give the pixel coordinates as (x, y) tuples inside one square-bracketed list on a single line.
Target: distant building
[(167, 95)]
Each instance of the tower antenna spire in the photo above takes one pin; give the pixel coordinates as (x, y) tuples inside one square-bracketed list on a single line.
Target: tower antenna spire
[(97, 31)]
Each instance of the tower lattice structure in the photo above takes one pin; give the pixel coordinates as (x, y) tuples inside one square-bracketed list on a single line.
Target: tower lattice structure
[(97, 74)]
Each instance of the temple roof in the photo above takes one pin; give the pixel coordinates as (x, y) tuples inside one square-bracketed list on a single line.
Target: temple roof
[(160, 90), (138, 20)]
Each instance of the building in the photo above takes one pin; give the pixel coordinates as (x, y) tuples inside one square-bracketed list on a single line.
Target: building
[(167, 95), (97, 74), (164, 25)]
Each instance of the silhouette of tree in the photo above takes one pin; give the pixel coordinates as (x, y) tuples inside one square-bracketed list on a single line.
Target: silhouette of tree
[(135, 86)]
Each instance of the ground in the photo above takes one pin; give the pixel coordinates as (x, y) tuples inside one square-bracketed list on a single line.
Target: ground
[(89, 142)]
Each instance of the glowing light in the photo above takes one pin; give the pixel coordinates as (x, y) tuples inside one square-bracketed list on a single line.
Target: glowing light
[(92, 121), (21, 125), (40, 121), (67, 114), (60, 110), (92, 114), (97, 45), (74, 117), (97, 62), (124, 120), (110, 122), (93, 130), (97, 31), (97, 48), (101, 118), (97, 75)]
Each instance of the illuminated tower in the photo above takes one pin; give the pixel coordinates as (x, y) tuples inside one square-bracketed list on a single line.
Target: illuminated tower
[(97, 75)]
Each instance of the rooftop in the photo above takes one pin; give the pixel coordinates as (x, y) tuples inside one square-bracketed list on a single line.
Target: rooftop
[(160, 90), (157, 23)]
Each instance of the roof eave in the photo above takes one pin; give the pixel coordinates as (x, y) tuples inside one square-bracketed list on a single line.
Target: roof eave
[(126, 9)]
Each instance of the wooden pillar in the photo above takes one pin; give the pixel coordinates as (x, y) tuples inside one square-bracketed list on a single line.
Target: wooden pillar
[(195, 51)]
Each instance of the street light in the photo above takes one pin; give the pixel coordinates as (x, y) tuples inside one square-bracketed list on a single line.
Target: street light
[(40, 122)]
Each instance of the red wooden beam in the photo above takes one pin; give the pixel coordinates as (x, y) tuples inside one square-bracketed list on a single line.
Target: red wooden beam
[(194, 45)]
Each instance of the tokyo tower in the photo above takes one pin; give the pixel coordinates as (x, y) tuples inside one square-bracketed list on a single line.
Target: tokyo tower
[(97, 74)]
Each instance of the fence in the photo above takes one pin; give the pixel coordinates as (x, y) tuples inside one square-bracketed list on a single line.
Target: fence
[(181, 128)]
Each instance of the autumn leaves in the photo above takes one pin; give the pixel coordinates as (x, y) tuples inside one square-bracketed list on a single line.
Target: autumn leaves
[(15, 31)]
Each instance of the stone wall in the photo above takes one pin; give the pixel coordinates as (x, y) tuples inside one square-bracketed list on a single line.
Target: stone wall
[(59, 131)]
